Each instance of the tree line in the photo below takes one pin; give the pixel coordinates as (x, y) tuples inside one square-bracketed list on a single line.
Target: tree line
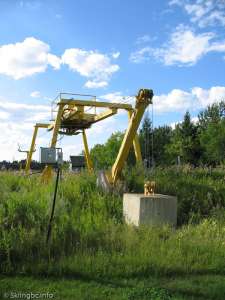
[(200, 142)]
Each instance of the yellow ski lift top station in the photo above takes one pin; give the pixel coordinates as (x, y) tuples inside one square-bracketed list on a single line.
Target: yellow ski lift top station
[(73, 116)]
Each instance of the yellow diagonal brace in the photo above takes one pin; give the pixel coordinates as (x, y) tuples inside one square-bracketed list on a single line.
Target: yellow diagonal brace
[(30, 153), (105, 114), (86, 152), (136, 144)]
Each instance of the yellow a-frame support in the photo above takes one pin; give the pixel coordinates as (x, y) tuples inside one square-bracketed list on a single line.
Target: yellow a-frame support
[(32, 146), (72, 118)]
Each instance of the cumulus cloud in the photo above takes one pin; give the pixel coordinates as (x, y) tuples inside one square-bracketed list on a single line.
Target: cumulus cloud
[(32, 56), (180, 101), (26, 58), (91, 64), (184, 48)]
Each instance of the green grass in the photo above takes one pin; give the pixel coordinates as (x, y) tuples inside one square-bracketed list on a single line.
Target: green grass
[(94, 255), (210, 287), (200, 191)]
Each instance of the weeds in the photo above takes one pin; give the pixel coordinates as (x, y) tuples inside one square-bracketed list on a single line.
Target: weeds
[(89, 237)]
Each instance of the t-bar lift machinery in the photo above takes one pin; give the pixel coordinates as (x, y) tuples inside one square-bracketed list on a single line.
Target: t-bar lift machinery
[(74, 117)]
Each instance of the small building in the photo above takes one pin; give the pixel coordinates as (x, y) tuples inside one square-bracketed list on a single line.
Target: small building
[(77, 163)]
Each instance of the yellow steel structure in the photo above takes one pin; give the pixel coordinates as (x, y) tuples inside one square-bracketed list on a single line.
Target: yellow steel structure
[(32, 146), (73, 117), (143, 99), (86, 152)]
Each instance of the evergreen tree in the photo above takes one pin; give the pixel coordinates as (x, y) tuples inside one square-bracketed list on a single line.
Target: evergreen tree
[(145, 137)]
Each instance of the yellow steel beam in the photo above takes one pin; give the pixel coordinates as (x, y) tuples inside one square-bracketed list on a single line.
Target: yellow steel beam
[(47, 173), (96, 104), (42, 125), (86, 152), (136, 144), (30, 153), (108, 113)]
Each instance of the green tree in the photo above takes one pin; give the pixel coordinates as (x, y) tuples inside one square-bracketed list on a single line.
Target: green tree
[(185, 142), (98, 156), (145, 137), (161, 138), (104, 156), (190, 140), (212, 114), (213, 142), (174, 148), (211, 131)]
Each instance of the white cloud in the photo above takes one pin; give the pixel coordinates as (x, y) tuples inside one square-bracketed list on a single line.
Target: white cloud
[(116, 54), (23, 59), (4, 115), (175, 2), (203, 12), (184, 48), (91, 64), (16, 126), (179, 100), (141, 55), (176, 100), (54, 61), (113, 97), (208, 97), (26, 58), (91, 84), (40, 116), (14, 106), (118, 97), (143, 39), (35, 94)]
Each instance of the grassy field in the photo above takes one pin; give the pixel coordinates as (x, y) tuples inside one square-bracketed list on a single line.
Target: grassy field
[(94, 255)]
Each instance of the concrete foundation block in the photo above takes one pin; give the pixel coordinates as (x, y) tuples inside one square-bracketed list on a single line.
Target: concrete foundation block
[(156, 209)]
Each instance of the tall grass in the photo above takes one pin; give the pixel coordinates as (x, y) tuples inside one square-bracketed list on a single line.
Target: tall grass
[(89, 237), (200, 191)]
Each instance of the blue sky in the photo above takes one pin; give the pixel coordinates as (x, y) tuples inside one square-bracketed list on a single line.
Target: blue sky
[(109, 49)]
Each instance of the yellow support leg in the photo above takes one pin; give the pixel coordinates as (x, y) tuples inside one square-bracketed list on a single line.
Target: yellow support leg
[(143, 99), (86, 152), (48, 173), (30, 153), (136, 144)]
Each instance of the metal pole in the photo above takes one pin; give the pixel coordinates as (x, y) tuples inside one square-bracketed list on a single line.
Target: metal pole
[(53, 207)]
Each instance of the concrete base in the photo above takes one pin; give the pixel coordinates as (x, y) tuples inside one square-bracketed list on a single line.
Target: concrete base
[(156, 209)]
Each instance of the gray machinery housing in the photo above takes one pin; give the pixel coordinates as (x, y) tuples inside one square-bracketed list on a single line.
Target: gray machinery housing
[(51, 156), (77, 162)]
